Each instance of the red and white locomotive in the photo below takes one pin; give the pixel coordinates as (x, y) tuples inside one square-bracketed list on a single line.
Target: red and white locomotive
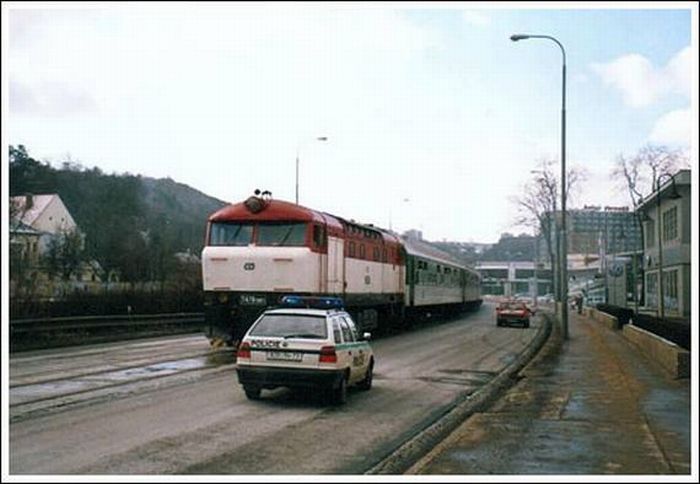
[(261, 249)]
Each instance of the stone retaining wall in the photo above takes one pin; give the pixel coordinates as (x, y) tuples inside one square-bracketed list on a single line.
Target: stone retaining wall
[(670, 356), (605, 319)]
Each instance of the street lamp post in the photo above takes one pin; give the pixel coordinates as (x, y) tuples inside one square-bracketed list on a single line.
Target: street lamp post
[(563, 286), (319, 138), (604, 262), (534, 271), (660, 281)]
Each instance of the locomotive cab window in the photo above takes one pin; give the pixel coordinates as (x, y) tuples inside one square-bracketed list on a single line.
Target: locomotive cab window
[(319, 236), (230, 234), (284, 234)]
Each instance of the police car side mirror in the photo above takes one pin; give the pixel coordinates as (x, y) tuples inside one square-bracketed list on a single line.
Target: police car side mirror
[(366, 336)]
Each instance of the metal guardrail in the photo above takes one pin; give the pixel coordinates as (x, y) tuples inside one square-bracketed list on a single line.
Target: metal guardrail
[(44, 325)]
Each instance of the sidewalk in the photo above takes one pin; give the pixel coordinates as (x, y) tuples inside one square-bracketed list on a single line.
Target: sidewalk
[(592, 405)]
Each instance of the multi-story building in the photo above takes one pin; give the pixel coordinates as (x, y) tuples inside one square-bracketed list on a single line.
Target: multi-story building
[(599, 231), (666, 217)]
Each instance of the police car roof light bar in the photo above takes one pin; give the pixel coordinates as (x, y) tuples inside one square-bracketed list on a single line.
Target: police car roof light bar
[(312, 302)]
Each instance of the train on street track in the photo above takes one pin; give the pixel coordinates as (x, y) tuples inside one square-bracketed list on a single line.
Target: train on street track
[(261, 249)]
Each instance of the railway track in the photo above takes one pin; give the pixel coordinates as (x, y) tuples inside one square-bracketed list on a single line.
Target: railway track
[(41, 333), (44, 382)]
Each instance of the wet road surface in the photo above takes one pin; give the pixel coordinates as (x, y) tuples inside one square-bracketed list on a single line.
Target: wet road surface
[(198, 420)]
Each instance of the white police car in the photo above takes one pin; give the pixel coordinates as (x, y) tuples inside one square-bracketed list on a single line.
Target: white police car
[(308, 343)]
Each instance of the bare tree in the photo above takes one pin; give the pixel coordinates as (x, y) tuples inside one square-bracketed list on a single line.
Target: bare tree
[(642, 169), (537, 207)]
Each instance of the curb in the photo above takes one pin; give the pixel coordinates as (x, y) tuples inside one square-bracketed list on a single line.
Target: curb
[(420, 444)]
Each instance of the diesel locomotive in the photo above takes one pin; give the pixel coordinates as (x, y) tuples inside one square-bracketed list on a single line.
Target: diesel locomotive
[(260, 249)]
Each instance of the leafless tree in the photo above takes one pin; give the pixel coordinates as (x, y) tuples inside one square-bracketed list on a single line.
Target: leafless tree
[(644, 167), (641, 170), (537, 204)]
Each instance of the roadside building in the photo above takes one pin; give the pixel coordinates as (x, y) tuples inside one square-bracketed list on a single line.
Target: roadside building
[(511, 278), (665, 214), (595, 230), (38, 221)]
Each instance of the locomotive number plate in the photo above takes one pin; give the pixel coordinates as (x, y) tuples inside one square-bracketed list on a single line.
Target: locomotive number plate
[(249, 300), (283, 356)]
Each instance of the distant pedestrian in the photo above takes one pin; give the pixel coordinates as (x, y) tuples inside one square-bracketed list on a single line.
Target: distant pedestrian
[(579, 303)]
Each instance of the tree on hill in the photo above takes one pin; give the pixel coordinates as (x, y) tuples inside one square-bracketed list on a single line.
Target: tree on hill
[(132, 225), (64, 255)]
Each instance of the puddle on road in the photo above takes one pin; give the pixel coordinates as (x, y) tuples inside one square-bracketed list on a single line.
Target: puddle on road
[(461, 377), (41, 391), (221, 357)]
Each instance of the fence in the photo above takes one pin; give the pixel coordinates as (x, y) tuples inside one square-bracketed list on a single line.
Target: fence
[(37, 333)]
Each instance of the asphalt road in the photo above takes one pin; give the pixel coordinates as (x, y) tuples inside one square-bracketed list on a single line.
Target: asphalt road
[(168, 406)]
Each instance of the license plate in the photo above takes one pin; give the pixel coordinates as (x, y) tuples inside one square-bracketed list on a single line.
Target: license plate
[(283, 356)]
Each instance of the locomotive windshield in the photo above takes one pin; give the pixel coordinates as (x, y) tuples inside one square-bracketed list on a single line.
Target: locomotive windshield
[(231, 234), (291, 234), (286, 234)]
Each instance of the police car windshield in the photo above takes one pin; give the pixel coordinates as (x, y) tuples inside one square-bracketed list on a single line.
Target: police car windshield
[(291, 326)]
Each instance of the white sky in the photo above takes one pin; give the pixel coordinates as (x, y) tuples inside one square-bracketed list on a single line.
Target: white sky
[(434, 117)]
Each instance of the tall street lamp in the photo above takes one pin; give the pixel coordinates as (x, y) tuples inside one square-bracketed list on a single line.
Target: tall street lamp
[(563, 286), (319, 138), (674, 195)]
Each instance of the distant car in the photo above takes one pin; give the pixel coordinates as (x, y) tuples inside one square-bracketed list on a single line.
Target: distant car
[(303, 346), (509, 312)]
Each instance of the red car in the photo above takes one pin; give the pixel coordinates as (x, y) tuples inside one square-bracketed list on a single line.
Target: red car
[(509, 312)]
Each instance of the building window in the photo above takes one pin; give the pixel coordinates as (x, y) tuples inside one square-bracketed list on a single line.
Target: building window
[(651, 290), (670, 224), (362, 251), (650, 238), (351, 249), (671, 289)]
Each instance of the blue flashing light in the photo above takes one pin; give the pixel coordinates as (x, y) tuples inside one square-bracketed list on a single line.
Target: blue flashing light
[(312, 302)]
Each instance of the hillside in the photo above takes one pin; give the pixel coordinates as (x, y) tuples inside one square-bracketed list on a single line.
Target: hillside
[(132, 224)]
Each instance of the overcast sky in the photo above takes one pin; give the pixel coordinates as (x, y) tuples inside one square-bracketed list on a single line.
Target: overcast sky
[(434, 117)]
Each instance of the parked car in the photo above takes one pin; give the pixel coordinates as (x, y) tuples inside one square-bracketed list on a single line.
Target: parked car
[(302, 346), (509, 312)]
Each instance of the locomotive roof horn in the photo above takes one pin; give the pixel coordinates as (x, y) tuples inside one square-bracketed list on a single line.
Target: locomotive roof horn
[(256, 203)]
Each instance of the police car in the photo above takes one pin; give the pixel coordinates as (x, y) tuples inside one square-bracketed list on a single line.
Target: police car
[(309, 343)]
